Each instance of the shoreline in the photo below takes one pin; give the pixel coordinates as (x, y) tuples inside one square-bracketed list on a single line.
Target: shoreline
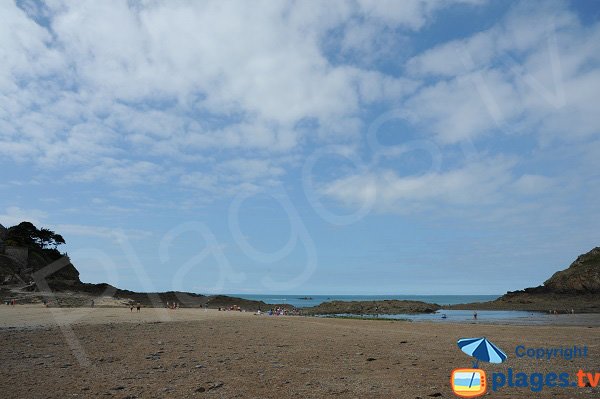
[(38, 317), (107, 296)]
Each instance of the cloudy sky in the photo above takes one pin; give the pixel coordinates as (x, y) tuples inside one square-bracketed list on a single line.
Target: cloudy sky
[(382, 147)]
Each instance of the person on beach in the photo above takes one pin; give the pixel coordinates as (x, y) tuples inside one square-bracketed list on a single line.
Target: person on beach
[(138, 307), (474, 315), (131, 307)]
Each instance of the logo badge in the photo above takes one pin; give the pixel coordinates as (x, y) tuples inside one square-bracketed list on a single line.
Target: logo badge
[(468, 383), (472, 382)]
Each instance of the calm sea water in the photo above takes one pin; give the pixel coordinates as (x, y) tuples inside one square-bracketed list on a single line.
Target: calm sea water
[(463, 316), (303, 301)]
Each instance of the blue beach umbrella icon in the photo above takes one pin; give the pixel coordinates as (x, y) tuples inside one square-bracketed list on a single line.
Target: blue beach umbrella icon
[(481, 349)]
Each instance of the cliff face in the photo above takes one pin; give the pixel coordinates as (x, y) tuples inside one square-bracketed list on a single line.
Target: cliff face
[(3, 233), (9, 271), (25, 250), (19, 270), (582, 276), (575, 288)]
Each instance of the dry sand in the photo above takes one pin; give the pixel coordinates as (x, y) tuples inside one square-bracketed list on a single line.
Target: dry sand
[(192, 353)]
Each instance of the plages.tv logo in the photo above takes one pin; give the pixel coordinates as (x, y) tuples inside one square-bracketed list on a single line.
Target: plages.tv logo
[(472, 382)]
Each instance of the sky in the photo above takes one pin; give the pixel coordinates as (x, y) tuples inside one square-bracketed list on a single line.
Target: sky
[(333, 147)]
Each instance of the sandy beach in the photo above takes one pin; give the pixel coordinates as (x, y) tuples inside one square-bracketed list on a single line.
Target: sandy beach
[(189, 353)]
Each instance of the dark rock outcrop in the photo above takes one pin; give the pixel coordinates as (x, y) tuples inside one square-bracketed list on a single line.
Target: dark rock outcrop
[(225, 301), (575, 288), (582, 276), (372, 307), (9, 271), (19, 271), (3, 233)]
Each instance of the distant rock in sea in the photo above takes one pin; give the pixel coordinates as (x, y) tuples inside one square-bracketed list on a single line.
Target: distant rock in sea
[(391, 306)]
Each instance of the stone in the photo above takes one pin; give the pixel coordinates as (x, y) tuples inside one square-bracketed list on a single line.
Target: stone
[(582, 276)]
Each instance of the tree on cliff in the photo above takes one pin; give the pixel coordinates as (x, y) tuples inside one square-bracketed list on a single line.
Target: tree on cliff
[(47, 238), (27, 235)]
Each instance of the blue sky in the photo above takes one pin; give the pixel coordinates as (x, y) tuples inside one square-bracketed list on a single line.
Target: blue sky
[(354, 147)]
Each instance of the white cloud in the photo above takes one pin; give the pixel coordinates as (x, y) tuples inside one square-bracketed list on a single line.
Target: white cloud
[(533, 184), (217, 95), (123, 172), (24, 49), (104, 86), (408, 13), (251, 169), (465, 107), (14, 215), (476, 183), (234, 176), (514, 33), (109, 233), (539, 78)]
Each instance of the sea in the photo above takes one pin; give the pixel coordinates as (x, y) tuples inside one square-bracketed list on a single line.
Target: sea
[(464, 316), (304, 301), (442, 315)]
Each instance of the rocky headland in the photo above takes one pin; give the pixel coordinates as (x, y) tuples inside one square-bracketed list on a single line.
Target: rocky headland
[(576, 288), (33, 270)]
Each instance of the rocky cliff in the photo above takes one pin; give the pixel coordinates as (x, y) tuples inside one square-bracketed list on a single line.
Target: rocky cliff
[(576, 288), (26, 250), (582, 276), (20, 270)]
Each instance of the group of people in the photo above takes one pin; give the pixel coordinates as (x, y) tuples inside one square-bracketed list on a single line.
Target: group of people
[(232, 308), (10, 302), (567, 311), (281, 311), (137, 306), (172, 305), (278, 311)]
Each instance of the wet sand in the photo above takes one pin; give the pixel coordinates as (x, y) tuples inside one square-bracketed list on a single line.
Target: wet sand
[(192, 353)]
